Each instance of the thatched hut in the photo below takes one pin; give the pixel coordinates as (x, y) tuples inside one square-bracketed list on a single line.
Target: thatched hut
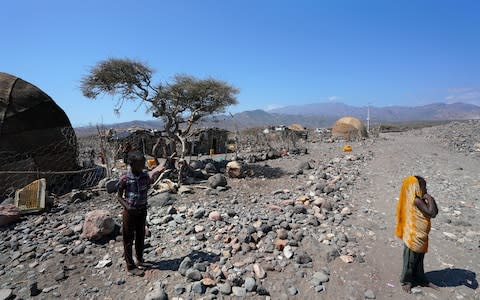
[(299, 130), (348, 128), (35, 134)]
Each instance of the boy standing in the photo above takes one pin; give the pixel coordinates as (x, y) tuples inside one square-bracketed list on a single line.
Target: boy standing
[(415, 208), (132, 195)]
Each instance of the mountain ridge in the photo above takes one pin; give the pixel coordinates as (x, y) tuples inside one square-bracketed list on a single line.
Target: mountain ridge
[(321, 115)]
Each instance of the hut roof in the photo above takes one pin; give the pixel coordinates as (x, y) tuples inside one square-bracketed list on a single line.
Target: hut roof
[(33, 128), (296, 127), (349, 127)]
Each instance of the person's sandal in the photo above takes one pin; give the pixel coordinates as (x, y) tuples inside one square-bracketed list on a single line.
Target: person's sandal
[(141, 264)]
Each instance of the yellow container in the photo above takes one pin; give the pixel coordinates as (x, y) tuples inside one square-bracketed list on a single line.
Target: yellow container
[(347, 148), (151, 163), (212, 151)]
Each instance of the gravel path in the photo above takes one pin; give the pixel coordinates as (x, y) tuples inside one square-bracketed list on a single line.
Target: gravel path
[(453, 260)]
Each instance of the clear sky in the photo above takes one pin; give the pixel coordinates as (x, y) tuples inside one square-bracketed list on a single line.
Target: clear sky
[(277, 53)]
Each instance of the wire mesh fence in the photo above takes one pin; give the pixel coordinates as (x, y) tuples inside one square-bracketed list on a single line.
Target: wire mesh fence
[(69, 163), (258, 140), (54, 158)]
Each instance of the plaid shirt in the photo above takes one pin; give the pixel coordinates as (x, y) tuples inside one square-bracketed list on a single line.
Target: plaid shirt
[(135, 188)]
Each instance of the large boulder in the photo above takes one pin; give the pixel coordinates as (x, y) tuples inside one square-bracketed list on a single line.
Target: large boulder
[(98, 223), (9, 213), (161, 200), (210, 168), (217, 180), (197, 164)]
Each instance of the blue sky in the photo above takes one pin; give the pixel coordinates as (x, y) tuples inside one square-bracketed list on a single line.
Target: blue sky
[(277, 53)]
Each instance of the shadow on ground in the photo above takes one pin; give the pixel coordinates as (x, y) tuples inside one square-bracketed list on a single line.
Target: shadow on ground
[(173, 264), (453, 277), (259, 170)]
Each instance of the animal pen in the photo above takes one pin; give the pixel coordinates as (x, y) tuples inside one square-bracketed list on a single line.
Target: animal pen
[(276, 138)]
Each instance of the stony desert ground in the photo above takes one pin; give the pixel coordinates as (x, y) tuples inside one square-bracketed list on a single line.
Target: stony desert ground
[(311, 226)]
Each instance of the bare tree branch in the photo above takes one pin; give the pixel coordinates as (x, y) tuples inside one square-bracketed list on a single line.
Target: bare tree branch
[(180, 103)]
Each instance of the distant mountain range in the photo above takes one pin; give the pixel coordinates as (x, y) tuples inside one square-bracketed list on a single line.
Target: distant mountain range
[(429, 112), (322, 115)]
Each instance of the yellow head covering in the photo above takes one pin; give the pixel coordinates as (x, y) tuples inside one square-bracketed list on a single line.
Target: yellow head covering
[(412, 225)]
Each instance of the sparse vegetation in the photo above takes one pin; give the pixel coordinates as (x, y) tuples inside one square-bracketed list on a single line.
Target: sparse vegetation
[(180, 103)]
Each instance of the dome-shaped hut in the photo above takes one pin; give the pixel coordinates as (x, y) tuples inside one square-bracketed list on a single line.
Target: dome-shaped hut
[(348, 128), (35, 134), (296, 127)]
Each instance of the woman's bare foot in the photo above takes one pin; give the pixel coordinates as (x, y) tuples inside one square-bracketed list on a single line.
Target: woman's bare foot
[(430, 285), (407, 287)]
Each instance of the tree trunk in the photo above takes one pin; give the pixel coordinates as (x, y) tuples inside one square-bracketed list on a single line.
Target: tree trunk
[(183, 142)]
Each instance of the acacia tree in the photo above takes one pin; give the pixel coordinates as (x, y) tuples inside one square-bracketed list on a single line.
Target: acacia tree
[(180, 103)]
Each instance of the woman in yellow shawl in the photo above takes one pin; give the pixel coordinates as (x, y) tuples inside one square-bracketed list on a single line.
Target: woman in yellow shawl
[(415, 208)]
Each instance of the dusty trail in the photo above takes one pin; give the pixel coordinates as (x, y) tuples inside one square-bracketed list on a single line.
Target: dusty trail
[(453, 260)]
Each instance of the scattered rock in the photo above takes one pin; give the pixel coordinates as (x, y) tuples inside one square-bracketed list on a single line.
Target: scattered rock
[(239, 291), (292, 291), (161, 200), (369, 294), (287, 251), (106, 262), (450, 235), (157, 294), (98, 223), (320, 277), (225, 288), (215, 216), (250, 284), (6, 294), (9, 214), (217, 180), (193, 275), (185, 265), (234, 169), (259, 271), (199, 213), (346, 258)]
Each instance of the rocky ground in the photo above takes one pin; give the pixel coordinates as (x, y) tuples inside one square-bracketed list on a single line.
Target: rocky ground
[(308, 226)]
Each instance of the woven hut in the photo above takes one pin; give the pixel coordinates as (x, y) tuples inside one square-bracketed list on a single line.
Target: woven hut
[(35, 134), (299, 130), (296, 127), (348, 128)]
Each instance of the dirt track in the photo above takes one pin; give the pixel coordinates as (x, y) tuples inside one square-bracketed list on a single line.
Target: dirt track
[(452, 263)]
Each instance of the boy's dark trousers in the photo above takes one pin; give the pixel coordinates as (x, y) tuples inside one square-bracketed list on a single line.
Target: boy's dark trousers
[(133, 225)]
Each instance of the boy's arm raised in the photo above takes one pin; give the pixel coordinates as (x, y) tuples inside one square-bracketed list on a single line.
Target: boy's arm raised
[(153, 174)]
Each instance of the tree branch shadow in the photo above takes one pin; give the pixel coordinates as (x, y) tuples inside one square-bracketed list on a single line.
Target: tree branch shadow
[(453, 277), (174, 264)]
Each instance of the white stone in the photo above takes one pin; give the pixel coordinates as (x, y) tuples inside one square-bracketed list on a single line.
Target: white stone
[(287, 251), (450, 235)]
